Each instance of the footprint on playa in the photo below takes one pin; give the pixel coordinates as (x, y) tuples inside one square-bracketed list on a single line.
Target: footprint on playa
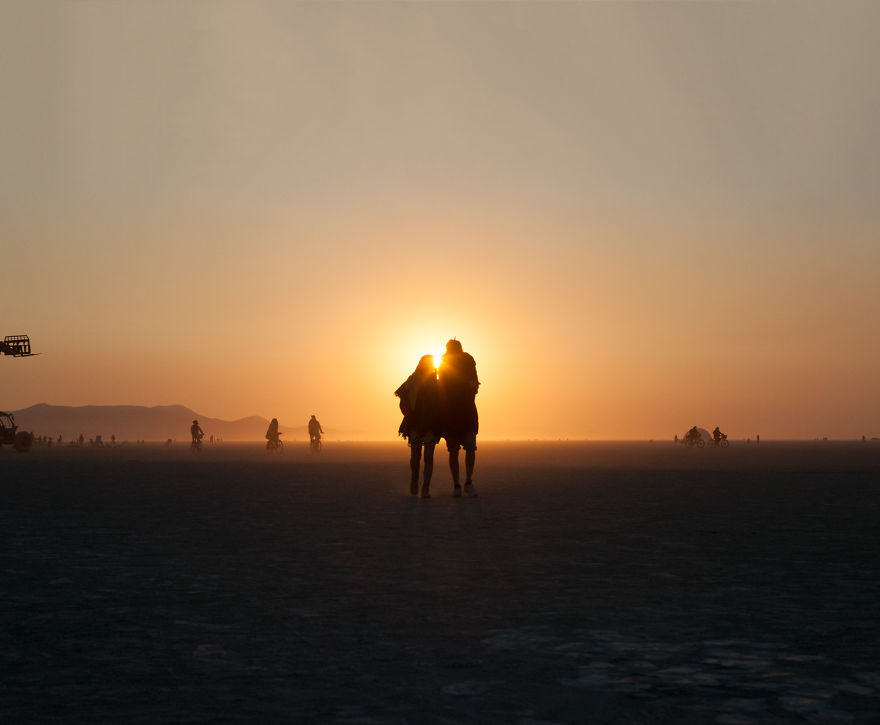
[(588, 681), (466, 688), (208, 650)]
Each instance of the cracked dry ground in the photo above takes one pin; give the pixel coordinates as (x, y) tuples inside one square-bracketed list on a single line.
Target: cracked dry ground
[(592, 584)]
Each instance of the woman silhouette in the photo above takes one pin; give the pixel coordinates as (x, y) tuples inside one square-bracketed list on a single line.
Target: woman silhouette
[(422, 418)]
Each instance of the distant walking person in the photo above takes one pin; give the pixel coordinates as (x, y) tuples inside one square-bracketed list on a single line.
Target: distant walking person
[(422, 420), (458, 388), (315, 433)]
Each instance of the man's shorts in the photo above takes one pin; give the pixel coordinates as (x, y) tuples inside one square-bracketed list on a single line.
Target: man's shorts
[(468, 441)]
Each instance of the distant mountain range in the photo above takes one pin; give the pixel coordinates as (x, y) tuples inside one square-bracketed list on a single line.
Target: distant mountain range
[(134, 422)]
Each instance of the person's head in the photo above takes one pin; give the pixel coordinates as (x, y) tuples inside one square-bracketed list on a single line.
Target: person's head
[(274, 421), (195, 422), (426, 365), (313, 416), (453, 347)]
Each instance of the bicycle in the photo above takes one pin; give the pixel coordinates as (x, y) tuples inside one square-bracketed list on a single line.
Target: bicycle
[(275, 445), (315, 445)]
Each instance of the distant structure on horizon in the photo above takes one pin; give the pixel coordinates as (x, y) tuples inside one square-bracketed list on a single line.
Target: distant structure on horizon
[(16, 346)]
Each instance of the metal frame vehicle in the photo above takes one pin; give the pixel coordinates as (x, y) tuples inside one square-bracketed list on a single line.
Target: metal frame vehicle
[(20, 440), (16, 346)]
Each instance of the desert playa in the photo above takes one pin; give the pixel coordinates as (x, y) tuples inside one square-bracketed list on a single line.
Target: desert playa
[(548, 222), (589, 582)]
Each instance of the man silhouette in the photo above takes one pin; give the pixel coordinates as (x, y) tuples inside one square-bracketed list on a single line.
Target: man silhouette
[(458, 388)]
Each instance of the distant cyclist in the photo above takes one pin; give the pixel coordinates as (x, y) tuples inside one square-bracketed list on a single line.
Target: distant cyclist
[(719, 438), (197, 434), (273, 437), (315, 431)]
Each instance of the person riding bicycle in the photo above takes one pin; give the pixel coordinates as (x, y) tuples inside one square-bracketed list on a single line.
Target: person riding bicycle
[(196, 432), (315, 430), (272, 435), (693, 435), (717, 435)]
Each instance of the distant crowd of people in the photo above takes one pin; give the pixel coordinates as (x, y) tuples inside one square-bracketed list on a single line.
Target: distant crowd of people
[(438, 401), (694, 437), (98, 441), (273, 435), (197, 437)]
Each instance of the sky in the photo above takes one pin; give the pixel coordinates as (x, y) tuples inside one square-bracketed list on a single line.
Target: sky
[(637, 217)]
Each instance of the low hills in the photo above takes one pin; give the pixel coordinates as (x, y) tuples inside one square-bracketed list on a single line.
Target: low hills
[(133, 422)]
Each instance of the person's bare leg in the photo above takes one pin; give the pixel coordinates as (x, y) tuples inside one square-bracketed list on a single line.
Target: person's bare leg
[(415, 454), (429, 464), (470, 458), (429, 471), (453, 468)]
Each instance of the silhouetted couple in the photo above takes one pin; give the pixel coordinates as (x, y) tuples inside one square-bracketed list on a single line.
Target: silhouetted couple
[(438, 402)]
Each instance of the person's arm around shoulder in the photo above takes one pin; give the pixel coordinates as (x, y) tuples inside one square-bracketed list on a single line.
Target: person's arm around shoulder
[(471, 368)]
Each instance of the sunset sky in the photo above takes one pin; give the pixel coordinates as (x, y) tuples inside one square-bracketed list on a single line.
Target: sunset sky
[(636, 216)]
